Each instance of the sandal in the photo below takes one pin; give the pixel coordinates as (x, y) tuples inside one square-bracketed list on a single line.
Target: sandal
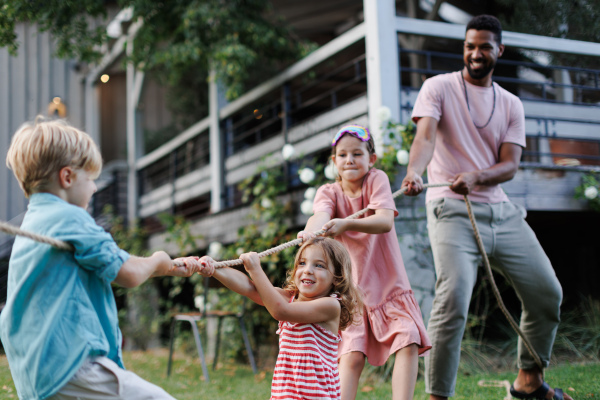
[(538, 394)]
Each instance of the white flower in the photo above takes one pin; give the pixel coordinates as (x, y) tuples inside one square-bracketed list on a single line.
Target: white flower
[(307, 175), (287, 151), (591, 192), (307, 207), (214, 250), (402, 157), (310, 193), (199, 302), (384, 114), (330, 171), (113, 29), (239, 251), (266, 203)]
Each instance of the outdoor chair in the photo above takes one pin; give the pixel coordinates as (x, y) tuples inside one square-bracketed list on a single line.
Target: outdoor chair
[(194, 317)]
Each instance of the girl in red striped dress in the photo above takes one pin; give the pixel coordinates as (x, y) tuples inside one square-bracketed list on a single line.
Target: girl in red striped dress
[(318, 301)]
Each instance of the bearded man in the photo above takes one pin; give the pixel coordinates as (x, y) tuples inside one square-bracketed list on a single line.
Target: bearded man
[(471, 132)]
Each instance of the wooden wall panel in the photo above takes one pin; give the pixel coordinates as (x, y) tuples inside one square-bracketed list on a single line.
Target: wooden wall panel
[(28, 83)]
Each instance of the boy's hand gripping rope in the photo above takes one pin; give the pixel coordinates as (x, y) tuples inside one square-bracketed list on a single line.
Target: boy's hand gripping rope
[(13, 230)]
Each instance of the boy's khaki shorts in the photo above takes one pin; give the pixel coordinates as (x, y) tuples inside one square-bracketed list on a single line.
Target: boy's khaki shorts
[(101, 378)]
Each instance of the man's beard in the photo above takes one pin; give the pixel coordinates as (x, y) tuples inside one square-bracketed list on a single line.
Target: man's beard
[(480, 73)]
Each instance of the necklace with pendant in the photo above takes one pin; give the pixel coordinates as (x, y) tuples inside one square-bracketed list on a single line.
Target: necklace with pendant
[(469, 108)]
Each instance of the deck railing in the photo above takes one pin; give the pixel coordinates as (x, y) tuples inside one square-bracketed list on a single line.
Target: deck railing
[(113, 193), (557, 109), (562, 118), (330, 77), (295, 102), (545, 88)]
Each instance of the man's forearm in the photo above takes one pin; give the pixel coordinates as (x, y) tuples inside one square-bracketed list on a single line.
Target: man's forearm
[(420, 156), (423, 146), (505, 169), (497, 174)]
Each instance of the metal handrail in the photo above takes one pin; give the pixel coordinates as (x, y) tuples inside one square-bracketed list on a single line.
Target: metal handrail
[(503, 61), (285, 103), (233, 143), (520, 81)]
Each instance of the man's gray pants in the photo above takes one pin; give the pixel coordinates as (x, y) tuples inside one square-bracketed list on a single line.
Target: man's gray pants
[(515, 252)]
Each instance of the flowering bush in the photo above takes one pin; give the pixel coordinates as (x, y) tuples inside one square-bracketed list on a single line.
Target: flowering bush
[(330, 171), (288, 151), (397, 138), (310, 193), (307, 175), (588, 190), (307, 207)]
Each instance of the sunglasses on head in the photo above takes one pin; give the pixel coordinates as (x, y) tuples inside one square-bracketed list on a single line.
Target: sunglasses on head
[(357, 131)]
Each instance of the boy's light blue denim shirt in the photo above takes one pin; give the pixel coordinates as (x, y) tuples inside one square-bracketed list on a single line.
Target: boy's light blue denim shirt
[(60, 308)]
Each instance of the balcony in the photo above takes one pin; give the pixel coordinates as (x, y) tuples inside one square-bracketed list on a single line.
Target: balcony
[(307, 102)]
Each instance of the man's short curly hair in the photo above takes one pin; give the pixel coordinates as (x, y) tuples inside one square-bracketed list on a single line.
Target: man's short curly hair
[(487, 23)]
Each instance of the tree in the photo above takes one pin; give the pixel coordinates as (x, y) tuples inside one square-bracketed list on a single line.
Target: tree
[(180, 40), (569, 19)]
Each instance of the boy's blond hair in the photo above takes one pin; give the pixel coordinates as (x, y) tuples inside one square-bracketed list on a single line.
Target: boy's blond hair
[(40, 149)]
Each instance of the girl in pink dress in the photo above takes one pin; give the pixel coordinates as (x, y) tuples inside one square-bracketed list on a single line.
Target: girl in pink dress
[(318, 301), (392, 321)]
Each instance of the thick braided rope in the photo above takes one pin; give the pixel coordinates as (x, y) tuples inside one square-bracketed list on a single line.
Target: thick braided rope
[(296, 242), (488, 269), (478, 239), (13, 230)]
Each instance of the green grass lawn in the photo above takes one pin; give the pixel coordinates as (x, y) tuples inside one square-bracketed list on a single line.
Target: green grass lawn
[(581, 381)]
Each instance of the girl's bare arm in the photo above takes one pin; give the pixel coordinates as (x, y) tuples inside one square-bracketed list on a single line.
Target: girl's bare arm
[(231, 278), (276, 300), (381, 222), (315, 223)]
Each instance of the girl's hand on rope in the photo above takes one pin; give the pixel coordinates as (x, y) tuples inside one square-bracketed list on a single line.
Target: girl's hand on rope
[(183, 267), (206, 266), (305, 235), (251, 261), (335, 227), (464, 182), (413, 184)]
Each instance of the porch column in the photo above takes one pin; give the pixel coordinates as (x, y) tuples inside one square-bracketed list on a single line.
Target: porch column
[(135, 81), (216, 152), (92, 110), (383, 81)]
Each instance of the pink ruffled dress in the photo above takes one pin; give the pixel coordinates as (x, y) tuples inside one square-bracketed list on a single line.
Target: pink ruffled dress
[(392, 318)]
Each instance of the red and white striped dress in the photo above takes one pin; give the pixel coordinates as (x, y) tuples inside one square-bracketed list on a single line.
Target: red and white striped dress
[(306, 366)]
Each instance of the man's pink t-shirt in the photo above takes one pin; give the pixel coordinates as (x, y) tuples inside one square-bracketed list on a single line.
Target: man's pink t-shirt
[(460, 146)]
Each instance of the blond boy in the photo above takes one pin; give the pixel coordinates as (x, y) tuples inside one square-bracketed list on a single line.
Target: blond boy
[(59, 327)]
